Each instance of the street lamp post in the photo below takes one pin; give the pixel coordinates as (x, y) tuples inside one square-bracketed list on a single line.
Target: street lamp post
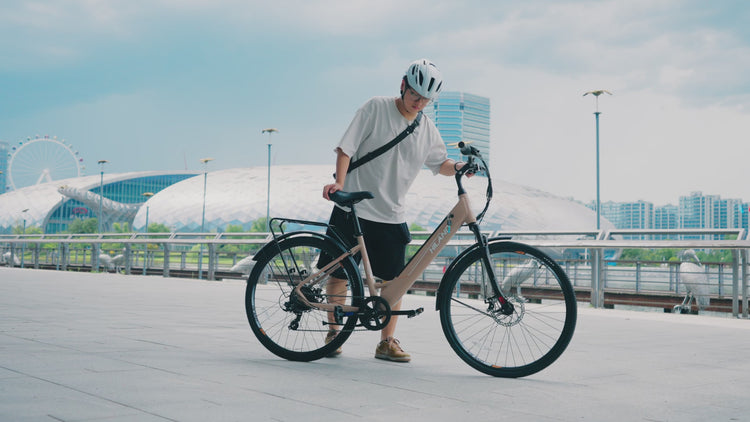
[(596, 94), (101, 195), (147, 195), (23, 245), (270, 132), (205, 162)]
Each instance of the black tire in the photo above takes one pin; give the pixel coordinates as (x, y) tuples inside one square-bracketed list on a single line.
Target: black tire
[(516, 345), (283, 324)]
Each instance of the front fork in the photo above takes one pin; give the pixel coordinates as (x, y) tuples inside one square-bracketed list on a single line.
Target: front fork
[(506, 307)]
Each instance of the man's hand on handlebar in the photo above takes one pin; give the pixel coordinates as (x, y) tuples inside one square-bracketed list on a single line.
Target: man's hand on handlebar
[(460, 164)]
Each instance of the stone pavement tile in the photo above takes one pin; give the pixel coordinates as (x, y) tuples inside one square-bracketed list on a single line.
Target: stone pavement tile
[(38, 399)]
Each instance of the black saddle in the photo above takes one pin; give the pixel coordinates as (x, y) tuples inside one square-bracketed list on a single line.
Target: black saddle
[(347, 199)]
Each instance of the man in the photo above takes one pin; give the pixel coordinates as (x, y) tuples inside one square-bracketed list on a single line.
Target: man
[(388, 177)]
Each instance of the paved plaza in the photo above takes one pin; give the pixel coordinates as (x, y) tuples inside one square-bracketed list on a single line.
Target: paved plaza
[(114, 348)]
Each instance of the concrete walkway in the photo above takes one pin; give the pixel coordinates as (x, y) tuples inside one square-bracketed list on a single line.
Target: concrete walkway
[(104, 347)]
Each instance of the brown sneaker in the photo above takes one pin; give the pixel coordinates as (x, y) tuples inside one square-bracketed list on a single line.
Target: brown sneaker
[(390, 349), (330, 336)]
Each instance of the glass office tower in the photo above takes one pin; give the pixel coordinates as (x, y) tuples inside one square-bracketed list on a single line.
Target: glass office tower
[(462, 117)]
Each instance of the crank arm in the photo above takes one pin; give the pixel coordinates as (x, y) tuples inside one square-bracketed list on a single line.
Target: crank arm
[(411, 313)]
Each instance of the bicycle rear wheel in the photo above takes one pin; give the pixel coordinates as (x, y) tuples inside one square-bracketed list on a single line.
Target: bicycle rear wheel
[(515, 345), (280, 320)]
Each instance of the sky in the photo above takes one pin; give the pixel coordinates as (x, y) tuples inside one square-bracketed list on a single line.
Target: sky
[(160, 84)]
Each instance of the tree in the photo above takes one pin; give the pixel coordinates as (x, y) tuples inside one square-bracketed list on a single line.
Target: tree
[(34, 230), (715, 255), (234, 228), (659, 255), (157, 228), (29, 230), (89, 225), (416, 228), (260, 226)]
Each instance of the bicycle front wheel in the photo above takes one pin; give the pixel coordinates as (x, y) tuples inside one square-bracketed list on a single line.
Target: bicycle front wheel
[(508, 345), (283, 323)]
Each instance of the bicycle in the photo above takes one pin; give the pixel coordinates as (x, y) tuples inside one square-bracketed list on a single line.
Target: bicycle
[(506, 308)]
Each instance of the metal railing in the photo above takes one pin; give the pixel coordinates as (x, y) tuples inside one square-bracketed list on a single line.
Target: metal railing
[(599, 277)]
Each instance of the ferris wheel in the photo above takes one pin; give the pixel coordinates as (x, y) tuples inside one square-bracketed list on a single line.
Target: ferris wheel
[(42, 159)]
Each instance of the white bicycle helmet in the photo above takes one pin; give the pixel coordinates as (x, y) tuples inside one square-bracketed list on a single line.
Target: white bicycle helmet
[(425, 78)]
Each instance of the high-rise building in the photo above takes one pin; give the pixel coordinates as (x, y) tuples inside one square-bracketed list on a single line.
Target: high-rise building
[(665, 217), (741, 215), (728, 213), (4, 149), (462, 117), (697, 211), (629, 215)]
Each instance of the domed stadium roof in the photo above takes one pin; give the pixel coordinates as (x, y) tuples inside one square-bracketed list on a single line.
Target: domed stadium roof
[(238, 197)]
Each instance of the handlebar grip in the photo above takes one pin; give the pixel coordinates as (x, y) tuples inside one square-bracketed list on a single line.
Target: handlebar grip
[(468, 150)]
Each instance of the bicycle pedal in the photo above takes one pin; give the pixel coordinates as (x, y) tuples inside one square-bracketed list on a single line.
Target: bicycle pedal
[(410, 313), (338, 315)]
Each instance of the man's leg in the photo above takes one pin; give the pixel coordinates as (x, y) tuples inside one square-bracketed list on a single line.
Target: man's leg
[(389, 329), (386, 247), (336, 291)]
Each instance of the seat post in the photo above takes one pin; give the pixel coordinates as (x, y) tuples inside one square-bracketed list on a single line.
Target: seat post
[(357, 227)]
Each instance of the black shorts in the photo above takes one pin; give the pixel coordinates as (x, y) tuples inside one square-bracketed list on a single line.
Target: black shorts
[(386, 243)]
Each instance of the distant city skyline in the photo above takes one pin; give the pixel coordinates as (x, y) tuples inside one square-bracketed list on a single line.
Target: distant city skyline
[(694, 211)]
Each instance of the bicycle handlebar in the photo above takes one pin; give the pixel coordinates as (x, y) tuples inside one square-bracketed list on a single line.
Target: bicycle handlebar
[(472, 167)]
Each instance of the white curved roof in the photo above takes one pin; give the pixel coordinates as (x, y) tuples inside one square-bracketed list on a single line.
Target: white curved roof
[(238, 196)]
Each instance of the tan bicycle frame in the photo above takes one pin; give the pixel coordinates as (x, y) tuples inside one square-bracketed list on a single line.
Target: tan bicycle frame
[(394, 290)]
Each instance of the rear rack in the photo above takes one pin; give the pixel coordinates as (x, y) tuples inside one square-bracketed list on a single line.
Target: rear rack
[(281, 221)]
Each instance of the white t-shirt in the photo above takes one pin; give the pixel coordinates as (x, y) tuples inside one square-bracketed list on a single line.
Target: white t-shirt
[(390, 175)]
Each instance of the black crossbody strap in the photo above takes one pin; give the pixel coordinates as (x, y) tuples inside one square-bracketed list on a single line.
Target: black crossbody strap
[(377, 152)]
